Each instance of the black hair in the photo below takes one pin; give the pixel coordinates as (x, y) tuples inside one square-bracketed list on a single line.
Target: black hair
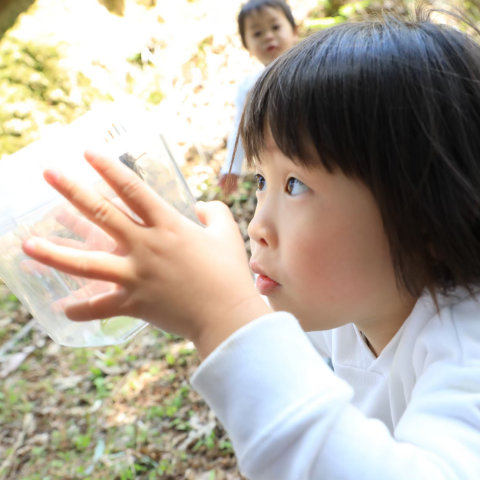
[(396, 105), (256, 6)]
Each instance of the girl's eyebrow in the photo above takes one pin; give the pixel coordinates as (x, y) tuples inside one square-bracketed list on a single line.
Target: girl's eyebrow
[(253, 26)]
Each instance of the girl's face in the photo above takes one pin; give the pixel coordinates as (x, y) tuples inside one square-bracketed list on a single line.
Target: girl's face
[(268, 33), (320, 251)]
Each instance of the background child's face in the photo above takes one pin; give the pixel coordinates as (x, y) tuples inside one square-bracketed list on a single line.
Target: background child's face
[(268, 33), (318, 243)]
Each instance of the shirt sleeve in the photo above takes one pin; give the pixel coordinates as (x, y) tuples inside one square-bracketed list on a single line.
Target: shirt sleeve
[(290, 418)]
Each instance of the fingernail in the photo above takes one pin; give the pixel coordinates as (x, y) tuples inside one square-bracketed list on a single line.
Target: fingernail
[(51, 175), (33, 243), (30, 244)]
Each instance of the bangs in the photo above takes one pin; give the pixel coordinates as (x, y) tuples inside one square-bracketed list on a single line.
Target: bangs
[(305, 100), (351, 93)]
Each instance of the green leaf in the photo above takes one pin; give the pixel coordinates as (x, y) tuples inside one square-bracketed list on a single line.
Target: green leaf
[(325, 22)]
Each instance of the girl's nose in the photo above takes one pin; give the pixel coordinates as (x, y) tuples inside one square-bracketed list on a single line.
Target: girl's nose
[(268, 35), (261, 229)]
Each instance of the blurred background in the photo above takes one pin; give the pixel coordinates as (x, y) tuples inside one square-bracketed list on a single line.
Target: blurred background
[(126, 411)]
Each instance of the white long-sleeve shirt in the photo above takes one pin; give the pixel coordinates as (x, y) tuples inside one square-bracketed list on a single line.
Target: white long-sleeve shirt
[(237, 164), (412, 413)]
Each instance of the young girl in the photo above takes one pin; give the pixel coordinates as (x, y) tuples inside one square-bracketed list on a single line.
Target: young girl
[(366, 142), (267, 29)]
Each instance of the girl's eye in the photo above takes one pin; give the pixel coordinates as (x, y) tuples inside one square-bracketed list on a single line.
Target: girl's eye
[(260, 182), (295, 186), (257, 34)]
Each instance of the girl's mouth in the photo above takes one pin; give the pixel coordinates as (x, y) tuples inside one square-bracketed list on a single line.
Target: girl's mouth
[(265, 285)]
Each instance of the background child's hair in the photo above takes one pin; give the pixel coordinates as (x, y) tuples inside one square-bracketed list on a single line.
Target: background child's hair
[(257, 5), (395, 105)]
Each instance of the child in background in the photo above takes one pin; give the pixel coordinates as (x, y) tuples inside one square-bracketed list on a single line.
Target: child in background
[(366, 241), (267, 29)]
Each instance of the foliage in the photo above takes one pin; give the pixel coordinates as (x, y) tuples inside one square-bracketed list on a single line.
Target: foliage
[(36, 91)]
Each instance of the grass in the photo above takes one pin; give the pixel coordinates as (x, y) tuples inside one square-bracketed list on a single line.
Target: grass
[(119, 412)]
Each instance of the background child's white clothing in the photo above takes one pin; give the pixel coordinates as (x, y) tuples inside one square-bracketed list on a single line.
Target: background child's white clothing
[(412, 413), (242, 92)]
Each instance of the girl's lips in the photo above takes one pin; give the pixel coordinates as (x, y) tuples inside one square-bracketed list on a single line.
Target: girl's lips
[(265, 285)]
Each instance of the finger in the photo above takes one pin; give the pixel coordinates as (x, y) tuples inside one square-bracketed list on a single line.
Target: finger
[(72, 243), (93, 205), (98, 242), (92, 289), (219, 221), (134, 192), (86, 264), (75, 222), (96, 239), (213, 213), (44, 272), (98, 307)]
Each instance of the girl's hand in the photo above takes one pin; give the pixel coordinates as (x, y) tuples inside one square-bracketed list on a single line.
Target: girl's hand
[(184, 278)]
